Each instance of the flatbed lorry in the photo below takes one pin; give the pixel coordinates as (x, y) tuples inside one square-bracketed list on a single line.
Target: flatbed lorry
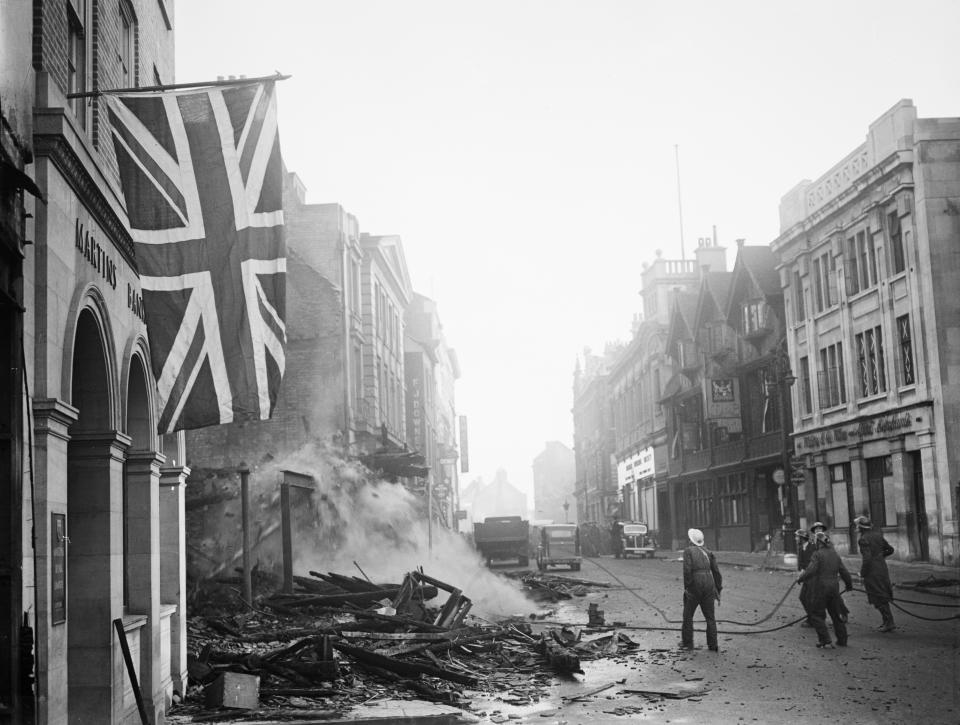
[(503, 537)]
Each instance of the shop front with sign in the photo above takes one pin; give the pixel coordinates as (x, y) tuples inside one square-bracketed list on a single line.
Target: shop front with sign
[(871, 466)]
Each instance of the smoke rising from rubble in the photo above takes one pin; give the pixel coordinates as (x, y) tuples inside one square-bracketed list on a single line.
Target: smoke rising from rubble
[(354, 517)]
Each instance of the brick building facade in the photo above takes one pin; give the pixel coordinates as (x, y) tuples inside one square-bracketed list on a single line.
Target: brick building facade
[(108, 507)]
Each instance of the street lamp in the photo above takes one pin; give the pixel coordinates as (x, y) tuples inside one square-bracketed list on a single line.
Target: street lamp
[(784, 380)]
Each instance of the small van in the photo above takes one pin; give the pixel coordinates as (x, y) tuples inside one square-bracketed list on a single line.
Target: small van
[(559, 546)]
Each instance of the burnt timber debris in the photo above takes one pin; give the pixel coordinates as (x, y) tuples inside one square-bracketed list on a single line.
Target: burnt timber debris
[(338, 641)]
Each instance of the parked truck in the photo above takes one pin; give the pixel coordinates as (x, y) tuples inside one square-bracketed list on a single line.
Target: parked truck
[(503, 537)]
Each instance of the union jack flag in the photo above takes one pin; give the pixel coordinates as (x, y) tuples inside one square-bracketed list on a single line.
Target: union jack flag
[(202, 178)]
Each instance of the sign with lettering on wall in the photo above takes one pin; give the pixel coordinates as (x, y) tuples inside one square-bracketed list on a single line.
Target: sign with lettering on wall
[(58, 568)]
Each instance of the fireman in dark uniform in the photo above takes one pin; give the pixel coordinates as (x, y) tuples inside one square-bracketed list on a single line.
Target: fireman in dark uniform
[(820, 526), (822, 572), (874, 550), (702, 583), (805, 551)]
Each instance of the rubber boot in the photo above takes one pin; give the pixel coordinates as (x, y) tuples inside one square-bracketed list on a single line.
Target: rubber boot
[(888, 625)]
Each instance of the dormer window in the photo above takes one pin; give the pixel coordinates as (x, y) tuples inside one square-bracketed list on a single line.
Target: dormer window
[(755, 320)]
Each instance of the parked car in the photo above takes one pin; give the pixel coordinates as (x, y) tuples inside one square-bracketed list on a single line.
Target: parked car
[(559, 546), (637, 540)]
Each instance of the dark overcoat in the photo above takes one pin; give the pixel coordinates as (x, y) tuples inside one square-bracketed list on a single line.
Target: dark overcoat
[(701, 575), (821, 574), (873, 570)]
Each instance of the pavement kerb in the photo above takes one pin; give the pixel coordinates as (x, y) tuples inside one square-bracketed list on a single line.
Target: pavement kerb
[(392, 712), (901, 572)]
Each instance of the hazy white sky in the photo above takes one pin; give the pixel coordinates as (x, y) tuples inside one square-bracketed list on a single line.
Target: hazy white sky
[(524, 149)]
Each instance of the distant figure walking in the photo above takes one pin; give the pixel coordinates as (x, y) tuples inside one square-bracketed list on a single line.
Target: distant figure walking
[(824, 594), (702, 583), (874, 550), (616, 538)]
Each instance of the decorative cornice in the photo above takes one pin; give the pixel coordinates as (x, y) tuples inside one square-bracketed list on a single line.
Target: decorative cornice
[(174, 475), (95, 442), (53, 417), (65, 158), (146, 459)]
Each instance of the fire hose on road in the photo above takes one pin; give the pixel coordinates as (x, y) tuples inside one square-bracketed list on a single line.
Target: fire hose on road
[(634, 592)]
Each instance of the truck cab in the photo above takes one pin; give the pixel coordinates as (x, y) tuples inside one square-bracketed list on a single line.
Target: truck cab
[(559, 546)]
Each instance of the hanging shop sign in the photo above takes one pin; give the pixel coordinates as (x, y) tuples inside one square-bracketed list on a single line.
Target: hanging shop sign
[(878, 427)]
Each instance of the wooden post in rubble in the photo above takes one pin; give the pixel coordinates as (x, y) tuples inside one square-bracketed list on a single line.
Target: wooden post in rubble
[(245, 523), (296, 480)]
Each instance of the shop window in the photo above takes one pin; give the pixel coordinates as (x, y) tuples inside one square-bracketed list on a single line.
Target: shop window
[(77, 59), (806, 398), (127, 55), (755, 318), (870, 362), (830, 378), (906, 350), (861, 262), (733, 499), (839, 480), (879, 480), (824, 281), (700, 502), (799, 308), (898, 259)]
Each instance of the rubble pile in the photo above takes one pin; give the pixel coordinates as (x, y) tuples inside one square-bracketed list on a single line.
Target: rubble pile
[(335, 642)]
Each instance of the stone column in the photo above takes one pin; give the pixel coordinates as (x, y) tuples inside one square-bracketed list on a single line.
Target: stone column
[(95, 575), (822, 492), (931, 494), (173, 566), (143, 569), (902, 480), (52, 420), (858, 479)]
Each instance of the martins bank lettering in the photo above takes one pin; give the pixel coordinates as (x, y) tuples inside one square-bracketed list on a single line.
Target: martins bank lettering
[(98, 258), (96, 255)]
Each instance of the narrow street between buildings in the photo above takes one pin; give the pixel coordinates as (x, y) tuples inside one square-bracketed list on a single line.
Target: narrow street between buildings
[(910, 675)]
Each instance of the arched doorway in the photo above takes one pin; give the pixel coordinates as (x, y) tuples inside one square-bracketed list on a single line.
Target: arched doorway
[(141, 441), (94, 510)]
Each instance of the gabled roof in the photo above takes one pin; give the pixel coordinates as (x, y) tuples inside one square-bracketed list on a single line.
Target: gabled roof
[(714, 292), (389, 249), (756, 266), (683, 311)]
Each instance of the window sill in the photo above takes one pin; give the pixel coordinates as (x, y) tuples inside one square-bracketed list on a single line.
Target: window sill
[(870, 399), (824, 313), (862, 294), (911, 388), (838, 408)]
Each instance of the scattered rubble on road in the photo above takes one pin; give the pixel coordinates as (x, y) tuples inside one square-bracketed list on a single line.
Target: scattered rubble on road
[(335, 642)]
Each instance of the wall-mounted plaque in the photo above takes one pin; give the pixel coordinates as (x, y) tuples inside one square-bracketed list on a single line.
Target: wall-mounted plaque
[(722, 390), (58, 568)]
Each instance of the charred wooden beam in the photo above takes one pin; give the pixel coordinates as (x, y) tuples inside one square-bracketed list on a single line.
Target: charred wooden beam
[(558, 658), (403, 668)]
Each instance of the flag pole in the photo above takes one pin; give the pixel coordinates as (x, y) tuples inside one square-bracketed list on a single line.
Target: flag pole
[(676, 156), (178, 86)]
